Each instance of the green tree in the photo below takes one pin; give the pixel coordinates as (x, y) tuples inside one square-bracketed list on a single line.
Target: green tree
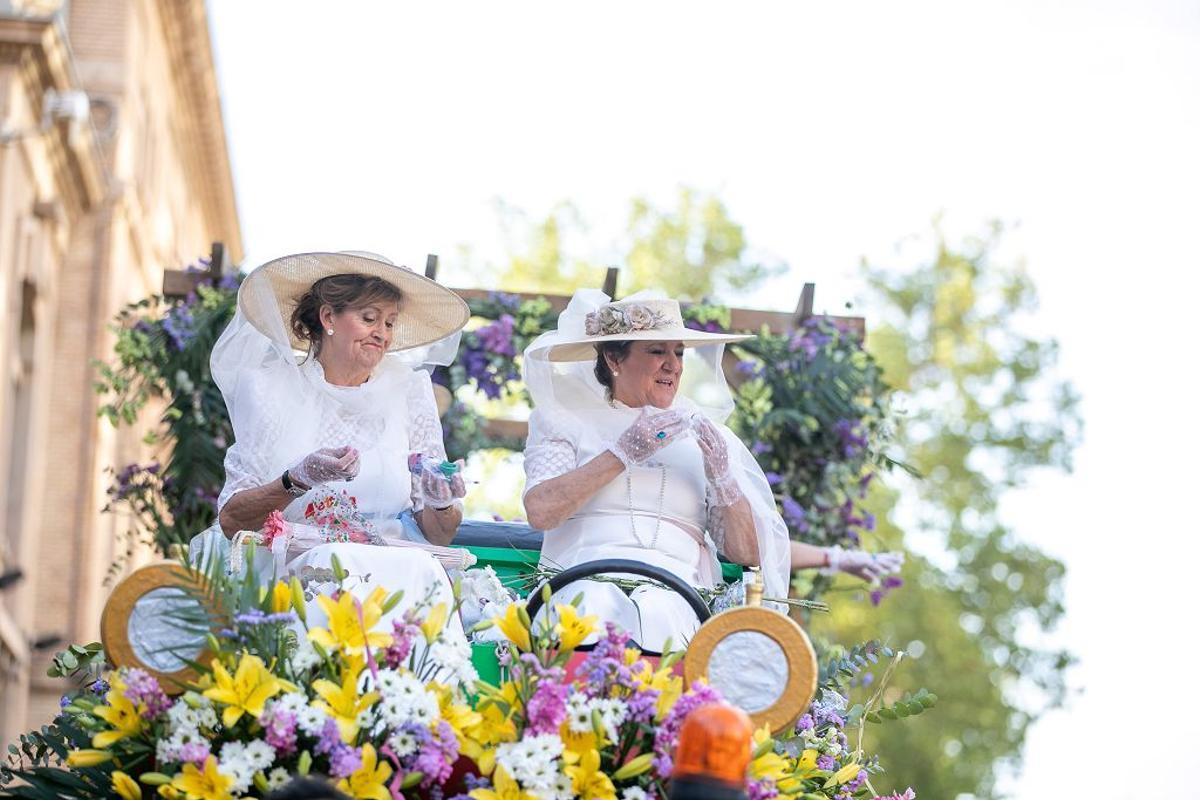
[(985, 409), (690, 251)]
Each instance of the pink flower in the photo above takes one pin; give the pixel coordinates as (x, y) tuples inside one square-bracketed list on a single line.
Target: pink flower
[(273, 527)]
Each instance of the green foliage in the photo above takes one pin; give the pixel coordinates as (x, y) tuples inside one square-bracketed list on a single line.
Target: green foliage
[(690, 251), (985, 408), (162, 354)]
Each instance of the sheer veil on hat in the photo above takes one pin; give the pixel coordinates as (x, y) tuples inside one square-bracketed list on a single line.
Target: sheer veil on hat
[(260, 337)]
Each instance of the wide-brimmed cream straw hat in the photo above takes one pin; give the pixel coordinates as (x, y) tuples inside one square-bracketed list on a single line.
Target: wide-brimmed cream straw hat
[(428, 311), (634, 319)]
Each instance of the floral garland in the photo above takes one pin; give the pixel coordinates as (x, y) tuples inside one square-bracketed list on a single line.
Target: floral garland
[(389, 710)]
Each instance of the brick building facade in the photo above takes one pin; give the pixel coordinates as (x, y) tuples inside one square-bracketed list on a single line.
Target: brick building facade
[(113, 167)]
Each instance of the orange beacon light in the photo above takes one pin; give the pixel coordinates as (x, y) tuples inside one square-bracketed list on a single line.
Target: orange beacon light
[(712, 756)]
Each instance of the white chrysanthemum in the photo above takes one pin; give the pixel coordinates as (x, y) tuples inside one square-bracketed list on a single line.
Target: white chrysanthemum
[(402, 685), (277, 779), (291, 702), (311, 720), (579, 713), (634, 793), (305, 657), (450, 652), (613, 712), (259, 755), (235, 764), (403, 744)]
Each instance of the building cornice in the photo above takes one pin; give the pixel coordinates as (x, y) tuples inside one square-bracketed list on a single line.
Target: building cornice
[(38, 49), (185, 29)]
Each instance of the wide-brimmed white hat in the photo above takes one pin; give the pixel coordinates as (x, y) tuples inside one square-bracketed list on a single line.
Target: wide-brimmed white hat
[(428, 311), (632, 319)]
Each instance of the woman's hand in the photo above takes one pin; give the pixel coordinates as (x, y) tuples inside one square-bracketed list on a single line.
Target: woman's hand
[(648, 434), (438, 492), (861, 564), (725, 489), (326, 465)]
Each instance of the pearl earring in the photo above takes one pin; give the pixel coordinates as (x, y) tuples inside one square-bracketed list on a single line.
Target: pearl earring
[(615, 373), (330, 331)]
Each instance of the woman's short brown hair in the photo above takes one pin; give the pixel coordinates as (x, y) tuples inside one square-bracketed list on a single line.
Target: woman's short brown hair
[(619, 350), (339, 292)]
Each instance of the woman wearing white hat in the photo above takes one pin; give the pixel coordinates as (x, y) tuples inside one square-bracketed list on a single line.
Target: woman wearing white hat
[(628, 457), (319, 371)]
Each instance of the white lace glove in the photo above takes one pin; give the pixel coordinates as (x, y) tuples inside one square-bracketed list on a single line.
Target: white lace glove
[(861, 564), (649, 433), (326, 465), (437, 490), (725, 489)]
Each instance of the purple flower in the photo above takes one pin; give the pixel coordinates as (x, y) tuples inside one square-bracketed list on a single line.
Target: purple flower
[(852, 440), (667, 735), (605, 667), (64, 701), (403, 634), (195, 752), (100, 687), (279, 727), (180, 325), (759, 447), (827, 763), (805, 723), (143, 690), (885, 588), (794, 514), (437, 755), (330, 738), (909, 794), (497, 337), (344, 761), (750, 368), (642, 704), (774, 478), (547, 708), (761, 790)]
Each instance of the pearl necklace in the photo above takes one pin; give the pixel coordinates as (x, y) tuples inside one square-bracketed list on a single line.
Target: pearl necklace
[(662, 492)]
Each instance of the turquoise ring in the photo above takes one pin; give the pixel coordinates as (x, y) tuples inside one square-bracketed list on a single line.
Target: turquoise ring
[(661, 435)]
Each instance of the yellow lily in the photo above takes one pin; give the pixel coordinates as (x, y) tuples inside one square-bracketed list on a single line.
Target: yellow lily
[(587, 779), (494, 727), (668, 684), (434, 621), (513, 627), (343, 703), (460, 717), (807, 763), (770, 764), (207, 785), (504, 788), (87, 758), (347, 631), (368, 781), (246, 691), (572, 629), (119, 712), (846, 773), (281, 597), (575, 744), (125, 787)]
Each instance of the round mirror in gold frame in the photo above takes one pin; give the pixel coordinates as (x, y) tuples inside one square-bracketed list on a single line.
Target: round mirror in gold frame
[(139, 601), (790, 644)]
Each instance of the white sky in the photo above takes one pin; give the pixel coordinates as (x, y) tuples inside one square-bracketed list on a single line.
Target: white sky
[(832, 131)]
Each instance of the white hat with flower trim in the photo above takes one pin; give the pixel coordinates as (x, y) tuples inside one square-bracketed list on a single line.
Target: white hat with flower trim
[(637, 318)]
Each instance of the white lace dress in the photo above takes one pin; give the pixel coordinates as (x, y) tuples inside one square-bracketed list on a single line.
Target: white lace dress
[(385, 419), (656, 513)]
